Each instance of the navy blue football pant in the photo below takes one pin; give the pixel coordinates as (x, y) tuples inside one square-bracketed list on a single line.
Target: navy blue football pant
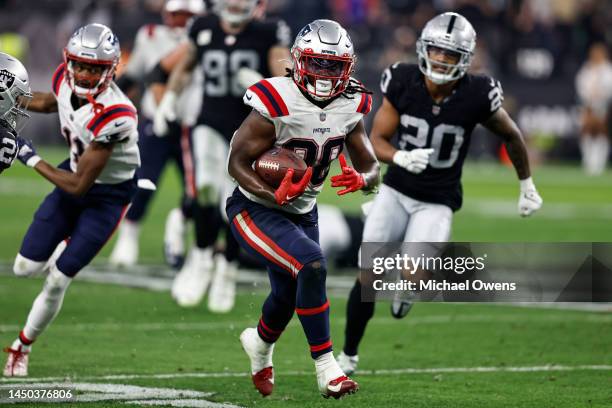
[(288, 244), (86, 222), (155, 153)]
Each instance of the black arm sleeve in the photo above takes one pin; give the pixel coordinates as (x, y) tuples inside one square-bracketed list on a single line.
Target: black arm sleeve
[(125, 83), (156, 75)]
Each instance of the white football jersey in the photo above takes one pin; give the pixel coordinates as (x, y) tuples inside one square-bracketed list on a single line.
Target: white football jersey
[(116, 123), (154, 42), (316, 134)]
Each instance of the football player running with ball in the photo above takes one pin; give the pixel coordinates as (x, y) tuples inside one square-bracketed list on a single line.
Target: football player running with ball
[(93, 187), (432, 109), (315, 111), (233, 49), (15, 96)]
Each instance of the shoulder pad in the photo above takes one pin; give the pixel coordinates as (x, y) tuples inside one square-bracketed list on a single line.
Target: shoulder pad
[(57, 78), (264, 97), (114, 119), (365, 104)]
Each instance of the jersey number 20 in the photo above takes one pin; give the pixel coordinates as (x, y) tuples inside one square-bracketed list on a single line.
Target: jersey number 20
[(438, 135)]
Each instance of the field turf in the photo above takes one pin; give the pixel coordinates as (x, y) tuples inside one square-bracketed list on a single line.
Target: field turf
[(441, 355)]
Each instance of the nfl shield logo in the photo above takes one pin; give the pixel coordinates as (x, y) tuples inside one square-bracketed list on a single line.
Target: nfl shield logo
[(435, 110), (322, 116)]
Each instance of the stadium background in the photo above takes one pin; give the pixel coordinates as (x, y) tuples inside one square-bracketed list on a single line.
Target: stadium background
[(534, 47)]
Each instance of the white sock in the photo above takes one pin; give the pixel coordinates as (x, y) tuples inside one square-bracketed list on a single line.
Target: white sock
[(589, 154), (326, 363), (129, 229), (47, 304), (18, 345), (602, 149)]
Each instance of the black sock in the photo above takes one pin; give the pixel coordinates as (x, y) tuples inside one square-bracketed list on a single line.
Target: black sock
[(358, 314), (208, 223)]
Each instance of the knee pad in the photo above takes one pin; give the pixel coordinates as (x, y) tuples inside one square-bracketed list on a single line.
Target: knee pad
[(56, 283), (27, 267), (313, 275)]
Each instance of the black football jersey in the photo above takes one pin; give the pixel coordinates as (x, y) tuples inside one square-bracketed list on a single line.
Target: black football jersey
[(8, 146), (221, 55), (446, 127)]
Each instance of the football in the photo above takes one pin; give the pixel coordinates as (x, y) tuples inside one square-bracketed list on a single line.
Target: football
[(273, 164)]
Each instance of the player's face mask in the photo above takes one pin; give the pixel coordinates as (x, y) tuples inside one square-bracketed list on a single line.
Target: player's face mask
[(322, 76), (88, 78)]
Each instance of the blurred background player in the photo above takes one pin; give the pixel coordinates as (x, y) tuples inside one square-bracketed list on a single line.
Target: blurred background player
[(93, 188), (233, 50), (153, 42), (594, 88), (422, 130), (15, 96), (280, 227)]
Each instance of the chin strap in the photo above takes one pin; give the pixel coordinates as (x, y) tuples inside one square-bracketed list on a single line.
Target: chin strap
[(97, 107)]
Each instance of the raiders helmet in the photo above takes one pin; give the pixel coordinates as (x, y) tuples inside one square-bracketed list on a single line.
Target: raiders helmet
[(453, 33), (323, 59), (93, 44), (15, 94)]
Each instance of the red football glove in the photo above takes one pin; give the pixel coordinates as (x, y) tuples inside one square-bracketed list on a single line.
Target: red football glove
[(349, 178), (288, 191)]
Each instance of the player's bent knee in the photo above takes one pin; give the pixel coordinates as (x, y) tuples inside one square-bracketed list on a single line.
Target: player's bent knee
[(314, 271), (57, 282), (27, 267)]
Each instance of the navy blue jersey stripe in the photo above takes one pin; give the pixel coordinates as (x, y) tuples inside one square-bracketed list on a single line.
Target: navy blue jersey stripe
[(57, 77), (271, 99), (106, 114)]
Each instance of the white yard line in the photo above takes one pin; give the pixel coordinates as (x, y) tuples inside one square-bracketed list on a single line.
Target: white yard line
[(396, 371), (410, 321)]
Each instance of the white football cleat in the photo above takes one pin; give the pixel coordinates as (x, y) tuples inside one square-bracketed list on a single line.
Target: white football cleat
[(190, 284), (260, 354), (174, 238), (17, 362), (347, 363), (222, 293), (331, 379), (125, 252)]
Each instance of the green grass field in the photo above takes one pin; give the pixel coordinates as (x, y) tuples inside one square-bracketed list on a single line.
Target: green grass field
[(441, 355)]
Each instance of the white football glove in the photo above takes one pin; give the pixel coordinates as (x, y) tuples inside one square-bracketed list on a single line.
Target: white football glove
[(164, 113), (529, 200), (248, 77), (415, 161)]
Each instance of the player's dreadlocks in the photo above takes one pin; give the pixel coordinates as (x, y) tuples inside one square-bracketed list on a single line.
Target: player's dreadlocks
[(353, 87)]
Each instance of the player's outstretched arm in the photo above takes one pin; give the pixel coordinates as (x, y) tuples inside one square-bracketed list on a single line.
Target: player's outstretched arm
[(253, 138), (362, 156), (90, 165), (43, 102), (502, 125), (181, 72)]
